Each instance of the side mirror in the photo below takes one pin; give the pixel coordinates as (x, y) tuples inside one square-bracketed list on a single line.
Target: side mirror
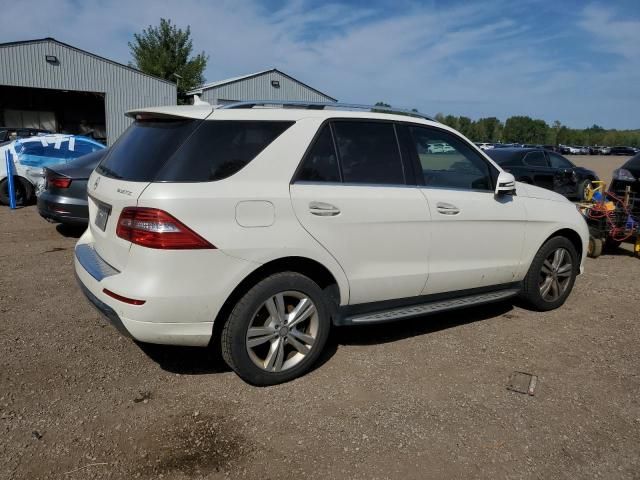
[(506, 184)]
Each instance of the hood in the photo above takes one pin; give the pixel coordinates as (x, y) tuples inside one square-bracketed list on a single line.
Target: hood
[(531, 191)]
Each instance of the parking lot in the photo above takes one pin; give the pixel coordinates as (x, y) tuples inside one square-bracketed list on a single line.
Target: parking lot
[(424, 398)]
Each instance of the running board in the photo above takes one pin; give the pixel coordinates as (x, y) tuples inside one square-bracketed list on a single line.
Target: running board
[(400, 313)]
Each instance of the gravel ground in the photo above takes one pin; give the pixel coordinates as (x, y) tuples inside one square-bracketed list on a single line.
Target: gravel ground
[(602, 165), (425, 398)]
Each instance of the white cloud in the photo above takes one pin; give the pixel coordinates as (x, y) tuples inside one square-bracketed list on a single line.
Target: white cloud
[(476, 60), (612, 34)]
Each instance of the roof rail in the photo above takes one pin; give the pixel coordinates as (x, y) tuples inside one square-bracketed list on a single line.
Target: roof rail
[(325, 106)]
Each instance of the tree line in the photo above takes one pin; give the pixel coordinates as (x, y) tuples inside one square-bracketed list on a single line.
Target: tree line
[(524, 129), (527, 130)]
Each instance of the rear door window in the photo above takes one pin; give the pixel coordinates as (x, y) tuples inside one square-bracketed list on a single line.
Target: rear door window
[(535, 159), (368, 152)]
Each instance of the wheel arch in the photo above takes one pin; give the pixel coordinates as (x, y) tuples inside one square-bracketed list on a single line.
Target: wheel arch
[(26, 183), (303, 265), (571, 235)]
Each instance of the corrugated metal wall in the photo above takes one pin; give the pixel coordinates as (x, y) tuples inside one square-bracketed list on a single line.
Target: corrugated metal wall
[(24, 65), (259, 88)]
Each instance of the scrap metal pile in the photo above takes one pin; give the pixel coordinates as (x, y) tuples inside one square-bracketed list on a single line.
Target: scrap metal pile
[(610, 219)]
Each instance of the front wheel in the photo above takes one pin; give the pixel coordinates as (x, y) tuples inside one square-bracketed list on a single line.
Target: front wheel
[(277, 330), (551, 275)]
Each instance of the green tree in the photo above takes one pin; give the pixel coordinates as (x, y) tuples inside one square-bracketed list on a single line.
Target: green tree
[(488, 129), (451, 121), (465, 126), (165, 51), (523, 129), (380, 104)]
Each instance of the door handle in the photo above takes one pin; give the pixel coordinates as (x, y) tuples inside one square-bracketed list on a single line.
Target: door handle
[(447, 208), (323, 209)]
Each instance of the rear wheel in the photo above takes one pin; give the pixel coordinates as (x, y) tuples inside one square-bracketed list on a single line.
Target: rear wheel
[(277, 330), (551, 275), (24, 191)]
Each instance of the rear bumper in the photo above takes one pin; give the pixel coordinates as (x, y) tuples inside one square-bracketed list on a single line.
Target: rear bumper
[(104, 309), (63, 209), (180, 305)]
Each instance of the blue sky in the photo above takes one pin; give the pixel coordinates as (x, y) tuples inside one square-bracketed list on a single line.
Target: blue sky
[(577, 62)]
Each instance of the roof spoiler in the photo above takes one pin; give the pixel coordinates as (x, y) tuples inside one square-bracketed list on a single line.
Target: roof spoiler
[(196, 112)]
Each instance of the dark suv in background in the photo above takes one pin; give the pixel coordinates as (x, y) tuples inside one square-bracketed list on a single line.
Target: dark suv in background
[(628, 175), (545, 169), (623, 151)]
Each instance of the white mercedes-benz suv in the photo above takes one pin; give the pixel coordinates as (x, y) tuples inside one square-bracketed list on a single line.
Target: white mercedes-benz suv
[(255, 228)]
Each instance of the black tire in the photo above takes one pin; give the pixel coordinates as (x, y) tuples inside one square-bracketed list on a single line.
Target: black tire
[(234, 334), (531, 294), (582, 187), (595, 247), (24, 191), (611, 244)]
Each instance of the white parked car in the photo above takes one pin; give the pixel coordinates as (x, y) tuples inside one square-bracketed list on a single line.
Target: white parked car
[(574, 150), (436, 148), (255, 230), (485, 146), (30, 155)]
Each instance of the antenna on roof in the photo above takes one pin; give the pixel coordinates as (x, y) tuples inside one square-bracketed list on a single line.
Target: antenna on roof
[(197, 101)]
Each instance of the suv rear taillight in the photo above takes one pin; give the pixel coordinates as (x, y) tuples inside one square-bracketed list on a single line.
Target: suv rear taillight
[(154, 228)]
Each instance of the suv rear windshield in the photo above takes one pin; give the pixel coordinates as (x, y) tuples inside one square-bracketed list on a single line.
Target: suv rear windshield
[(633, 162), (188, 150)]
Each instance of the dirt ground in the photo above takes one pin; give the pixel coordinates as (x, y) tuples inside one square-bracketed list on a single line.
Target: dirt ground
[(425, 398), (602, 165)]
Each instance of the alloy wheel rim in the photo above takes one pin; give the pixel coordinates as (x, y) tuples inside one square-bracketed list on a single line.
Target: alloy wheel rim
[(555, 275), (282, 331)]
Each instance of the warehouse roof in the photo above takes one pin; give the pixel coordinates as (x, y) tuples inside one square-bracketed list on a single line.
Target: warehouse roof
[(228, 81), (50, 39)]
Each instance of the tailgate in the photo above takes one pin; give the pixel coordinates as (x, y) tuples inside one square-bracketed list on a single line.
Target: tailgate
[(107, 198), (136, 159)]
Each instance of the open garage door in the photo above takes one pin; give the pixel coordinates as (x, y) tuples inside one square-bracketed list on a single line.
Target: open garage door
[(61, 111)]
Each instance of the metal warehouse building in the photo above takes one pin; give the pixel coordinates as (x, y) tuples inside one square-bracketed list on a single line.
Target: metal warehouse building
[(266, 85), (51, 85)]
